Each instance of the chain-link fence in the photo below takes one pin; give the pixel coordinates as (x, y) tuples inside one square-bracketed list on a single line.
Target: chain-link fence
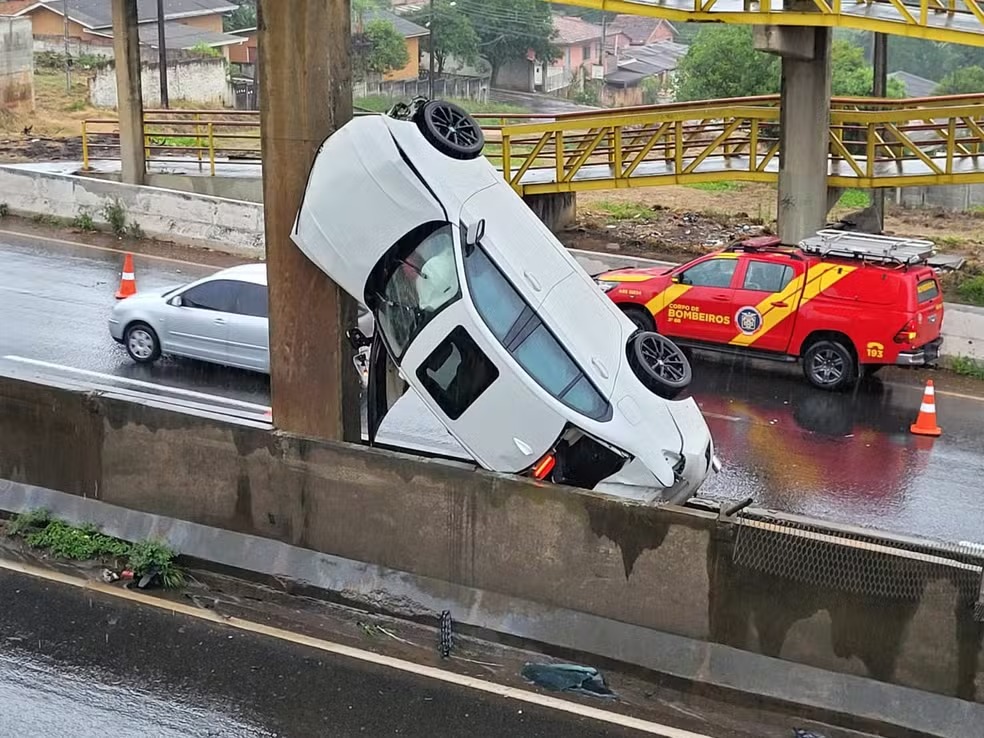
[(855, 562)]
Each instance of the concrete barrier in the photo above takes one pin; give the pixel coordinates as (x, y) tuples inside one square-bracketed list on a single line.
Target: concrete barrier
[(804, 593), (197, 220), (963, 331)]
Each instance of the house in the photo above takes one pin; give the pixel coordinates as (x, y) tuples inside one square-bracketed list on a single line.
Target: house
[(189, 23), (623, 86), (245, 55), (915, 86), (641, 30)]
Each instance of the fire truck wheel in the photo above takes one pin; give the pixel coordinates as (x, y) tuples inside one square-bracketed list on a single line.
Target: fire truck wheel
[(829, 365), (660, 364), (642, 318)]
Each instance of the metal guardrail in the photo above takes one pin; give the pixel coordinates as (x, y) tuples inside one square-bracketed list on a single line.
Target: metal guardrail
[(873, 143), (952, 21)]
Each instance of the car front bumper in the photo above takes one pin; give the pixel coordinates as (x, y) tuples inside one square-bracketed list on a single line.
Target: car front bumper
[(926, 355), (116, 330)]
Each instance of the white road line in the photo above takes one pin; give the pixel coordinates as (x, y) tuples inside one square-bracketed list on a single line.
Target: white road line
[(107, 249), (938, 391), (718, 416), (429, 672), (214, 399)]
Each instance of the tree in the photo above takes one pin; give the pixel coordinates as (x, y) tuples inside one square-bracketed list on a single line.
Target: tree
[(244, 16), (453, 34), (508, 29), (851, 76), (961, 82), (381, 48), (722, 62)]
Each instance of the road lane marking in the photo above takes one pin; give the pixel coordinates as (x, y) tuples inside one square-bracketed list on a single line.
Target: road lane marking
[(719, 416), (216, 399), (958, 395), (422, 670), (107, 249)]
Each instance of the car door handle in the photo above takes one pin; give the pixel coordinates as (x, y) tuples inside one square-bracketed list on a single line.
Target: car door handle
[(780, 304), (722, 298), (220, 321)]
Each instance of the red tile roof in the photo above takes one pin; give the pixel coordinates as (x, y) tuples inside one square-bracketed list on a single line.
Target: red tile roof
[(571, 31)]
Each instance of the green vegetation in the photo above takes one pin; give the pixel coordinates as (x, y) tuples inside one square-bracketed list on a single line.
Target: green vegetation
[(971, 290), (854, 199), (626, 210), (967, 367), (244, 16), (380, 48), (454, 34), (717, 186), (115, 215), (961, 82), (86, 543), (204, 50), (55, 61), (83, 221)]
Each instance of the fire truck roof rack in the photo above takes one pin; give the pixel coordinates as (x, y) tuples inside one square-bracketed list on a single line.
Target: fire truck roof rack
[(868, 247)]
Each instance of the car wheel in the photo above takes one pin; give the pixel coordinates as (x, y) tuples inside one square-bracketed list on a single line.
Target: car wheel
[(829, 365), (141, 343), (641, 317), (660, 364), (450, 129)]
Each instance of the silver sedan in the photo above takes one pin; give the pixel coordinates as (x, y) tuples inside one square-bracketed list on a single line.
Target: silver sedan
[(222, 319)]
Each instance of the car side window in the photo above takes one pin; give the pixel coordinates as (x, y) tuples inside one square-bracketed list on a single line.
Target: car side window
[(456, 373), (527, 339), (218, 295), (711, 273), (253, 300), (421, 284), (766, 276)]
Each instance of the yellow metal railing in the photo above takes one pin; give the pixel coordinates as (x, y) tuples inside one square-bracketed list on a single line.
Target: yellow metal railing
[(873, 143), (953, 21)]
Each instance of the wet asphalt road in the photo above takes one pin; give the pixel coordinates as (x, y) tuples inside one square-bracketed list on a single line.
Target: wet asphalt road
[(80, 664), (846, 458)]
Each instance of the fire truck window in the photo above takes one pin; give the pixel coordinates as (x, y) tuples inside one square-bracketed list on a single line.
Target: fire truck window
[(710, 273), (765, 276)]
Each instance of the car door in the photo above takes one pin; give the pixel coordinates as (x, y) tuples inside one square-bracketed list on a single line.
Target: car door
[(765, 302), (447, 354), (197, 321), (249, 329), (702, 309)]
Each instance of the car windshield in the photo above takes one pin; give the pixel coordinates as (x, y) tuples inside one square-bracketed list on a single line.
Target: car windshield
[(422, 283)]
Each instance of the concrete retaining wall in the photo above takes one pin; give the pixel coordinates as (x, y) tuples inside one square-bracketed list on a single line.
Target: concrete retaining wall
[(197, 220), (846, 608), (963, 330), (16, 63), (197, 80)]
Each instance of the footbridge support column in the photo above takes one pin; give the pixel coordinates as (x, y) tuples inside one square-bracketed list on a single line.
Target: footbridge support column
[(804, 123)]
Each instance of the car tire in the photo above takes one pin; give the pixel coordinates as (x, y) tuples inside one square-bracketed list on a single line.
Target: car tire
[(829, 365), (141, 343), (640, 316), (450, 129), (659, 364)]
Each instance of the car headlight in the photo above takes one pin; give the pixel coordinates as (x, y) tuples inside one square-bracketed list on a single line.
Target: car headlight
[(605, 285)]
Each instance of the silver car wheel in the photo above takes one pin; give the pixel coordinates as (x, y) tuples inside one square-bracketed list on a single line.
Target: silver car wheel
[(141, 343)]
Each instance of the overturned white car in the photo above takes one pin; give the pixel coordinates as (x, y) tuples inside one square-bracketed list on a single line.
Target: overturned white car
[(492, 323)]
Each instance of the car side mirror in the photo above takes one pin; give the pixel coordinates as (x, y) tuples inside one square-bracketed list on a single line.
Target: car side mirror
[(474, 232), (177, 301), (676, 279)]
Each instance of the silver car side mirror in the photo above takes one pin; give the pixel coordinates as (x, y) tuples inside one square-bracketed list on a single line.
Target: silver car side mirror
[(177, 301), (475, 232)]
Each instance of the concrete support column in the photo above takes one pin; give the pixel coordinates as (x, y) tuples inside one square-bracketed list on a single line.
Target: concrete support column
[(804, 125), (305, 95), (126, 48)]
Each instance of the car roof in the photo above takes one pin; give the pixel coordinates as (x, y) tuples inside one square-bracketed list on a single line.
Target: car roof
[(255, 273)]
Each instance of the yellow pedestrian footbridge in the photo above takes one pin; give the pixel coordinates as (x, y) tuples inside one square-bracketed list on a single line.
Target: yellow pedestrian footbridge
[(873, 143), (952, 21)]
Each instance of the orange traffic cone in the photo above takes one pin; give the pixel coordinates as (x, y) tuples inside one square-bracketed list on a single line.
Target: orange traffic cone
[(128, 280), (925, 424)]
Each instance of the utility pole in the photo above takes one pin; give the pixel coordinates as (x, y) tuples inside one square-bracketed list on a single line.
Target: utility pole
[(68, 53), (879, 89), (162, 53), (305, 96)]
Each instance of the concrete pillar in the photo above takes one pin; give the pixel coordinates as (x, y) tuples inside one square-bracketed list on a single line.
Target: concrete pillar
[(804, 123), (557, 210), (305, 95), (126, 48)]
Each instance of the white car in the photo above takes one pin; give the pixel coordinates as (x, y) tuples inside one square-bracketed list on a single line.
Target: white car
[(488, 318), (221, 319)]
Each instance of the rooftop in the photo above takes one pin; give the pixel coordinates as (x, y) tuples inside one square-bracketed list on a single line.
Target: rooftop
[(638, 27), (98, 14), (915, 86), (572, 30)]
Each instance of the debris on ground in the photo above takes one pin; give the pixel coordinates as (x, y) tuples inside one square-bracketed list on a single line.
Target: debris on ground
[(446, 642), (568, 678), (799, 733)]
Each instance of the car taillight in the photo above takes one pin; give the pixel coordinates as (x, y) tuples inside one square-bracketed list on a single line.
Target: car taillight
[(907, 334), (544, 466)]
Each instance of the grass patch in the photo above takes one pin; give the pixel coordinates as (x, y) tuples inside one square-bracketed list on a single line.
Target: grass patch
[(967, 367), (717, 186), (115, 215), (626, 210), (83, 221), (971, 290), (854, 199), (86, 543)]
